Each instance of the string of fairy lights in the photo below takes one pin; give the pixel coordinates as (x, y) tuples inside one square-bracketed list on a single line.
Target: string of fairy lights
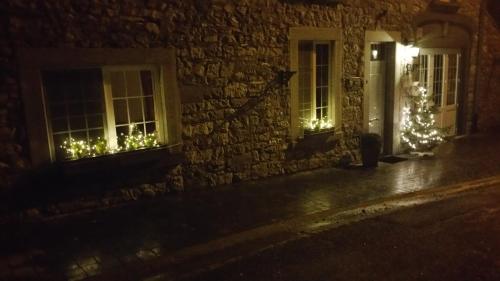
[(317, 124), (418, 126), (135, 139)]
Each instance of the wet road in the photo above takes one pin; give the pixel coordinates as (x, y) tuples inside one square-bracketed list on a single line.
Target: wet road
[(454, 239), (130, 238)]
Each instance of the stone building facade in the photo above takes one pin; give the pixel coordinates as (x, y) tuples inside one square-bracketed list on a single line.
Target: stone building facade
[(227, 52)]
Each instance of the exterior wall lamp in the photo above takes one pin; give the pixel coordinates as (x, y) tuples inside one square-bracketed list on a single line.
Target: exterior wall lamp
[(410, 59)]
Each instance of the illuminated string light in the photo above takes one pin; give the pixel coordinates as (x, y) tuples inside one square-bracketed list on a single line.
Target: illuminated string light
[(136, 139), (317, 124)]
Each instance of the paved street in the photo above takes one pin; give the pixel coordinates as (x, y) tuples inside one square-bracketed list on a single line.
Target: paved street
[(175, 235), (455, 239)]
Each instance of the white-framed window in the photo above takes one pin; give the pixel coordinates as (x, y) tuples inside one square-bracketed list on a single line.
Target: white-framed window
[(315, 56), (315, 95), (91, 103), (132, 97), (439, 74), (87, 94)]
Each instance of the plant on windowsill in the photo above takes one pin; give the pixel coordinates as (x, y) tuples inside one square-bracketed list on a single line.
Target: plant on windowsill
[(139, 156), (318, 137), (317, 126), (134, 140)]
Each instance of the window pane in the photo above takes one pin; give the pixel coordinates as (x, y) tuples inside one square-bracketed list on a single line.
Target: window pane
[(121, 116), (82, 135), (150, 127), (92, 86), (72, 85), (57, 110), (149, 109), (67, 94), (52, 87), (121, 132), (147, 83), (58, 141), (322, 80), (437, 88), (117, 84), (77, 123), (95, 121), (133, 83), (135, 107), (324, 97), (423, 73), (94, 134), (452, 79), (59, 125), (93, 107), (76, 108)]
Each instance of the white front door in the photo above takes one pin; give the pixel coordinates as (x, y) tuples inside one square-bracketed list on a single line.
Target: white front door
[(376, 90), (439, 74)]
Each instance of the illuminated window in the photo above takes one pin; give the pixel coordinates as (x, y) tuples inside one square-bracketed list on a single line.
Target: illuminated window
[(74, 105), (102, 103), (315, 101), (439, 74), (130, 100), (89, 93)]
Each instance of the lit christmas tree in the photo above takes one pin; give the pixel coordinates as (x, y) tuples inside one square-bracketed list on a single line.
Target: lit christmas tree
[(418, 127)]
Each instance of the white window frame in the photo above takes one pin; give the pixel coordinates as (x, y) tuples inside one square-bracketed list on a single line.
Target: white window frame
[(32, 61), (158, 96), (313, 85), (317, 35), (429, 53)]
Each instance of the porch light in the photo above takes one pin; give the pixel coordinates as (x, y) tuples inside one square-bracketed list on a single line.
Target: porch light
[(410, 54), (374, 54), (413, 51)]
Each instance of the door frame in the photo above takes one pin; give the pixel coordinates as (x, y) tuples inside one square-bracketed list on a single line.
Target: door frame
[(393, 94)]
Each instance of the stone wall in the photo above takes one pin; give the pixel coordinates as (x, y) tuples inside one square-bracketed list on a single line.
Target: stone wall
[(227, 52), (488, 100)]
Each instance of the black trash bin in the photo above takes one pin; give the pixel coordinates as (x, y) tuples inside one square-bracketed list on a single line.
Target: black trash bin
[(370, 149)]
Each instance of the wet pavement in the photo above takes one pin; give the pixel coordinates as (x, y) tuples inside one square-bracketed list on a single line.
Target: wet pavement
[(456, 239), (129, 239)]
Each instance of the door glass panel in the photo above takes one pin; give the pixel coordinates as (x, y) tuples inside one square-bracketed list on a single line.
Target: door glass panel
[(424, 70), (452, 79), (437, 86)]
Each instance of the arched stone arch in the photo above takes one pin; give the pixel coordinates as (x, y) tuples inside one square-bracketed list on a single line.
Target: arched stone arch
[(451, 31)]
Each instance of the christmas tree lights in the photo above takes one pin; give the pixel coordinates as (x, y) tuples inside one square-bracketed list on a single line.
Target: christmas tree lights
[(418, 126)]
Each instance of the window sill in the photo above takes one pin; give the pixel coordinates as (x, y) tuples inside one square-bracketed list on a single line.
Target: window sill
[(329, 131), (129, 164), (317, 141)]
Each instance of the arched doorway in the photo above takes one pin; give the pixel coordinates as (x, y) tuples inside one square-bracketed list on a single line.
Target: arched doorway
[(444, 66)]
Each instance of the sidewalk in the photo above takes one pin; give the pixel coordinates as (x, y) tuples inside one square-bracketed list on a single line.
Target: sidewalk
[(130, 238)]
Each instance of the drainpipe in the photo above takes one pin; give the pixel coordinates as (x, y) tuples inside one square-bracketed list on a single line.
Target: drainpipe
[(474, 127)]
